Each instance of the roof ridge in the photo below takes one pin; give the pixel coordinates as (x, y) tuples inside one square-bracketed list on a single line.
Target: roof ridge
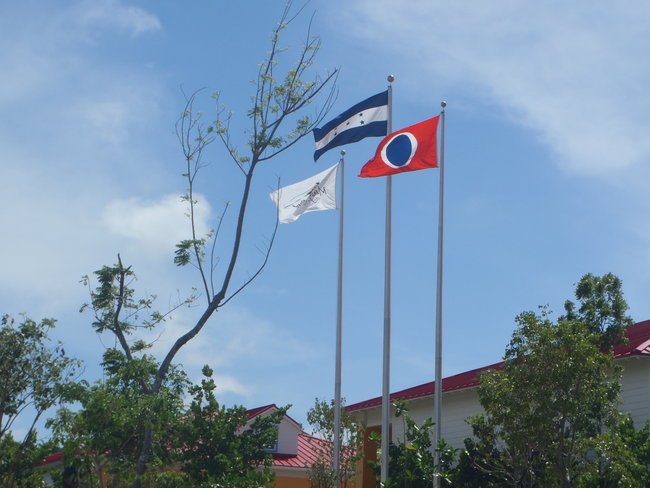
[(638, 336)]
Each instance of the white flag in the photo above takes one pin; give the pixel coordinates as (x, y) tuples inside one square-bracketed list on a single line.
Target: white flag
[(315, 193)]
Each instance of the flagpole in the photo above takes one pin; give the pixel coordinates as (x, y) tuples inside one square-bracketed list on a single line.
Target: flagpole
[(438, 389), (339, 332), (385, 403)]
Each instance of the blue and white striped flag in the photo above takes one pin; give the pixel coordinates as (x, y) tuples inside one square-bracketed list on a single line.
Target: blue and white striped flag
[(366, 119)]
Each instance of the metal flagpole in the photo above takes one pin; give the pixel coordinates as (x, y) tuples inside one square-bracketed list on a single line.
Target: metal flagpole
[(339, 331), (438, 392), (385, 402)]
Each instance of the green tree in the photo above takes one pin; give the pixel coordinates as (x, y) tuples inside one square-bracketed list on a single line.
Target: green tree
[(103, 438), (410, 459), (221, 446), (481, 463), (558, 389), (620, 457), (36, 375), (277, 122), (601, 308), (321, 418), (17, 461)]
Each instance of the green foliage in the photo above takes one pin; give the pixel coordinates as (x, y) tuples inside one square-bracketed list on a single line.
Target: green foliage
[(117, 310), (208, 444), (321, 418), (36, 375), (321, 474), (219, 446), (481, 463), (105, 435), (559, 388), (17, 461), (601, 308), (619, 457), (410, 459), (556, 390), (184, 251)]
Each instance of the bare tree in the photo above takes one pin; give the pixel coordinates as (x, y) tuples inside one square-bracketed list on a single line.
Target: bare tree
[(278, 121)]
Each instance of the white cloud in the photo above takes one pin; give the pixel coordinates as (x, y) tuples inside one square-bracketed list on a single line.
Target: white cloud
[(44, 51), (78, 121), (236, 335), (50, 230), (153, 228), (575, 72), (108, 119), (234, 339), (114, 13), (229, 384), (254, 338)]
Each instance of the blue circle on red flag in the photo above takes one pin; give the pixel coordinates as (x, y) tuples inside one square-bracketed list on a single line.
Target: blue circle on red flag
[(399, 150)]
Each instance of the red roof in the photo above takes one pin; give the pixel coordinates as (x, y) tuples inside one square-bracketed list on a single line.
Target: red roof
[(638, 336), (309, 449), (254, 412), (51, 459)]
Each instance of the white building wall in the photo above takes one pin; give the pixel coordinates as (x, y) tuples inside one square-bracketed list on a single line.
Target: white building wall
[(457, 406), (288, 437), (288, 431), (635, 388)]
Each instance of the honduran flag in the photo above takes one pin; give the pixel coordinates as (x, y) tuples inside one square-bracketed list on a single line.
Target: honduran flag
[(409, 149), (365, 119)]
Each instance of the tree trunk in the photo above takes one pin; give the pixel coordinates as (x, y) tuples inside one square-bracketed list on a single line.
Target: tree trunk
[(141, 467)]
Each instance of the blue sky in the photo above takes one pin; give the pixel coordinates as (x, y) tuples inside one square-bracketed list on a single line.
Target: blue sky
[(547, 166)]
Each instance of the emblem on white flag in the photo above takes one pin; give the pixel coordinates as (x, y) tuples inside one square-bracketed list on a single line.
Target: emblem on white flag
[(315, 193)]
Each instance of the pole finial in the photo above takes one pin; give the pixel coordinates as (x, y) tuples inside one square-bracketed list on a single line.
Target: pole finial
[(390, 78), (342, 152), (443, 104)]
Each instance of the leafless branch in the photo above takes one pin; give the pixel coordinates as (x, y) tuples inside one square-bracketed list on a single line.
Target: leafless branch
[(271, 100), (259, 270), (214, 244), (223, 132), (193, 139)]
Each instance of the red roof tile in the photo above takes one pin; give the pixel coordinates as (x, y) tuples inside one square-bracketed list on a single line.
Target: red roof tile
[(51, 459), (638, 336), (309, 450), (254, 412)]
